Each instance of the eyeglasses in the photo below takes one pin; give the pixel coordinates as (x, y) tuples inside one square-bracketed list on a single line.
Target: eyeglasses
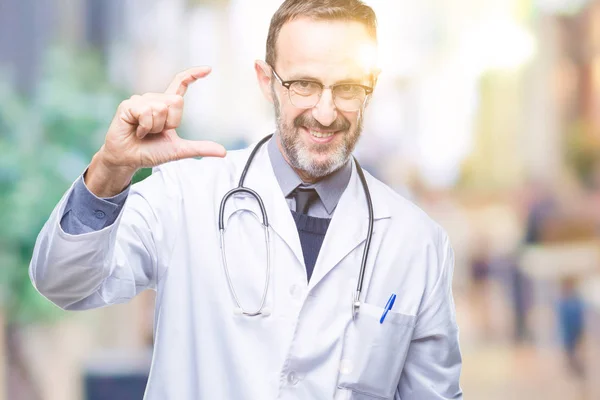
[(347, 97)]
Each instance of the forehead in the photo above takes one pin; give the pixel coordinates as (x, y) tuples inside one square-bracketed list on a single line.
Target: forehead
[(330, 50)]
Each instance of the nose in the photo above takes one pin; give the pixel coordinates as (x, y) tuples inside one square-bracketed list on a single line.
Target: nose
[(325, 111)]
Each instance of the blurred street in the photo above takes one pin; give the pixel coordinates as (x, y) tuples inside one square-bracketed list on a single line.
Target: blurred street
[(486, 115), (495, 368)]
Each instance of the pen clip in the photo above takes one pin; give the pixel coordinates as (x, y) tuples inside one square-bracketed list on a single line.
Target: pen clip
[(388, 307)]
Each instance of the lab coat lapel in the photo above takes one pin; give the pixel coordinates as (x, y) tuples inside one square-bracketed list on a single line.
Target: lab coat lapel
[(262, 179), (349, 226)]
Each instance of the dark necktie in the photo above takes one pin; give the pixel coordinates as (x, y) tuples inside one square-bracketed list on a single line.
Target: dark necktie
[(304, 199), (311, 230)]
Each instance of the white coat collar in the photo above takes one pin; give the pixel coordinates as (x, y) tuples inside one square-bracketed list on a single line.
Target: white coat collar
[(348, 227)]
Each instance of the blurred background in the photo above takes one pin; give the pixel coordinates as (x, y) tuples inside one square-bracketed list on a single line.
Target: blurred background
[(486, 114)]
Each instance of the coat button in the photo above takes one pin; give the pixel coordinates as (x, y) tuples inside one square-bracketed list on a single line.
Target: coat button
[(292, 378), (99, 214)]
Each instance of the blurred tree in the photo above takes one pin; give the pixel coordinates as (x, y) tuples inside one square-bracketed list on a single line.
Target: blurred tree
[(46, 141), (582, 150)]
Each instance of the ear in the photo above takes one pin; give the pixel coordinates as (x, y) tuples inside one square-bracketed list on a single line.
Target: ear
[(374, 76), (263, 75)]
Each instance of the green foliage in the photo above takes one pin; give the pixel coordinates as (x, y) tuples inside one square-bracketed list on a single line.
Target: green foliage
[(45, 143), (582, 149)]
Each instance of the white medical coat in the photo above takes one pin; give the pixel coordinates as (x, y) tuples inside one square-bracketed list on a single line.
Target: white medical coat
[(166, 238)]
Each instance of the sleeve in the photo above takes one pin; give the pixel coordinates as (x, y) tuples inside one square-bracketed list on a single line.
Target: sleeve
[(115, 263), (85, 212), (433, 364)]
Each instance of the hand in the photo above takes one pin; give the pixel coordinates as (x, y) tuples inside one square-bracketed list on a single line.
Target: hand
[(142, 134)]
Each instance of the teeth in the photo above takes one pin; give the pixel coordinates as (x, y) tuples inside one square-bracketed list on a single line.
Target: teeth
[(321, 134)]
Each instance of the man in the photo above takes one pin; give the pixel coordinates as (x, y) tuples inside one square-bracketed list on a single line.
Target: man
[(264, 319)]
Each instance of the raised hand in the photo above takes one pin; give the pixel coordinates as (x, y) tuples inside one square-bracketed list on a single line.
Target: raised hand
[(142, 134)]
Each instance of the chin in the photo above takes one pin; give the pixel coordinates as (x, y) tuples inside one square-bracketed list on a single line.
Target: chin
[(321, 162), (319, 165)]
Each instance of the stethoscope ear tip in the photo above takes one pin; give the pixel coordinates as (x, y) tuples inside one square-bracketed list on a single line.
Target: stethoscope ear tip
[(237, 311), (266, 312)]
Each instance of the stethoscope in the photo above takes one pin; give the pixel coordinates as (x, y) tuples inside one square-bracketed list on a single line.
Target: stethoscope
[(262, 310)]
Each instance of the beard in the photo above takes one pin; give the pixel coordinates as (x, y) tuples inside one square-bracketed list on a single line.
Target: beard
[(305, 157)]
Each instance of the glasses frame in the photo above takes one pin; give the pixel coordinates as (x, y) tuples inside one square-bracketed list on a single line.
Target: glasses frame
[(288, 84)]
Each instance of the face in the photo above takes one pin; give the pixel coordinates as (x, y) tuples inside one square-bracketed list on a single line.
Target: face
[(319, 140)]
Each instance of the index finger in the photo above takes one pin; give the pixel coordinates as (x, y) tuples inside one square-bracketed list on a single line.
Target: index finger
[(182, 80)]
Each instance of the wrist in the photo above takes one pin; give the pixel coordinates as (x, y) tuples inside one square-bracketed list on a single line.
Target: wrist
[(104, 179)]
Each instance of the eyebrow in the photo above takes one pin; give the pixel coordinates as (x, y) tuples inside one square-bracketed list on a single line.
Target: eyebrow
[(357, 81)]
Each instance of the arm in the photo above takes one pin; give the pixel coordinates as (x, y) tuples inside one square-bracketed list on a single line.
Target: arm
[(113, 264), (110, 263), (433, 364), (85, 212)]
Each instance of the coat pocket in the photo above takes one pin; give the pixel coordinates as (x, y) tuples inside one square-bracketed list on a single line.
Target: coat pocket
[(373, 354)]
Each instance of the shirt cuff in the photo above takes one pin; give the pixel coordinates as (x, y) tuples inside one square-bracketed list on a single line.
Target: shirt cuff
[(85, 212)]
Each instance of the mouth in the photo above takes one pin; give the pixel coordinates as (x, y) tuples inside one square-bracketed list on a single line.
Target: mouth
[(319, 136)]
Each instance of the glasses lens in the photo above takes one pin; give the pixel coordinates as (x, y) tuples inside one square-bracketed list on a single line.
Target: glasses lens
[(305, 94), (349, 97)]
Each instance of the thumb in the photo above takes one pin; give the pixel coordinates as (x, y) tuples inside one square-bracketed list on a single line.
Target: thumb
[(198, 148)]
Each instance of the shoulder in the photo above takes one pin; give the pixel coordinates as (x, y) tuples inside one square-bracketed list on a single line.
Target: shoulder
[(418, 247), (405, 215)]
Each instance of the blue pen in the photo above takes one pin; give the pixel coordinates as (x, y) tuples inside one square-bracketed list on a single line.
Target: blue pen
[(388, 307)]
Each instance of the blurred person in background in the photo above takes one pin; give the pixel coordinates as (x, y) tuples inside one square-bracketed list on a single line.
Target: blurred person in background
[(593, 208), (571, 322), (480, 286), (227, 326), (539, 207)]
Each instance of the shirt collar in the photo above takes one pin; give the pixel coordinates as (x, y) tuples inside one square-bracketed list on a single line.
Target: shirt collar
[(329, 189)]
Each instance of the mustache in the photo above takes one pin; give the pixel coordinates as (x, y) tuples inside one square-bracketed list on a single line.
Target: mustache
[(304, 120)]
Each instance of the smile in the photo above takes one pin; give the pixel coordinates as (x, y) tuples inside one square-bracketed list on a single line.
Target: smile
[(321, 134)]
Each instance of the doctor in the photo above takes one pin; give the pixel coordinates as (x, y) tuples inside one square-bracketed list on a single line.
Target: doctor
[(251, 316)]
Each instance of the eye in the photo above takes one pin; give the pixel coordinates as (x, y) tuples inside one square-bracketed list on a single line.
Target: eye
[(349, 91), (305, 88)]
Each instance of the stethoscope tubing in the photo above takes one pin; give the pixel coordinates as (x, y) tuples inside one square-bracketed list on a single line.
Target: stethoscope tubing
[(265, 222)]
